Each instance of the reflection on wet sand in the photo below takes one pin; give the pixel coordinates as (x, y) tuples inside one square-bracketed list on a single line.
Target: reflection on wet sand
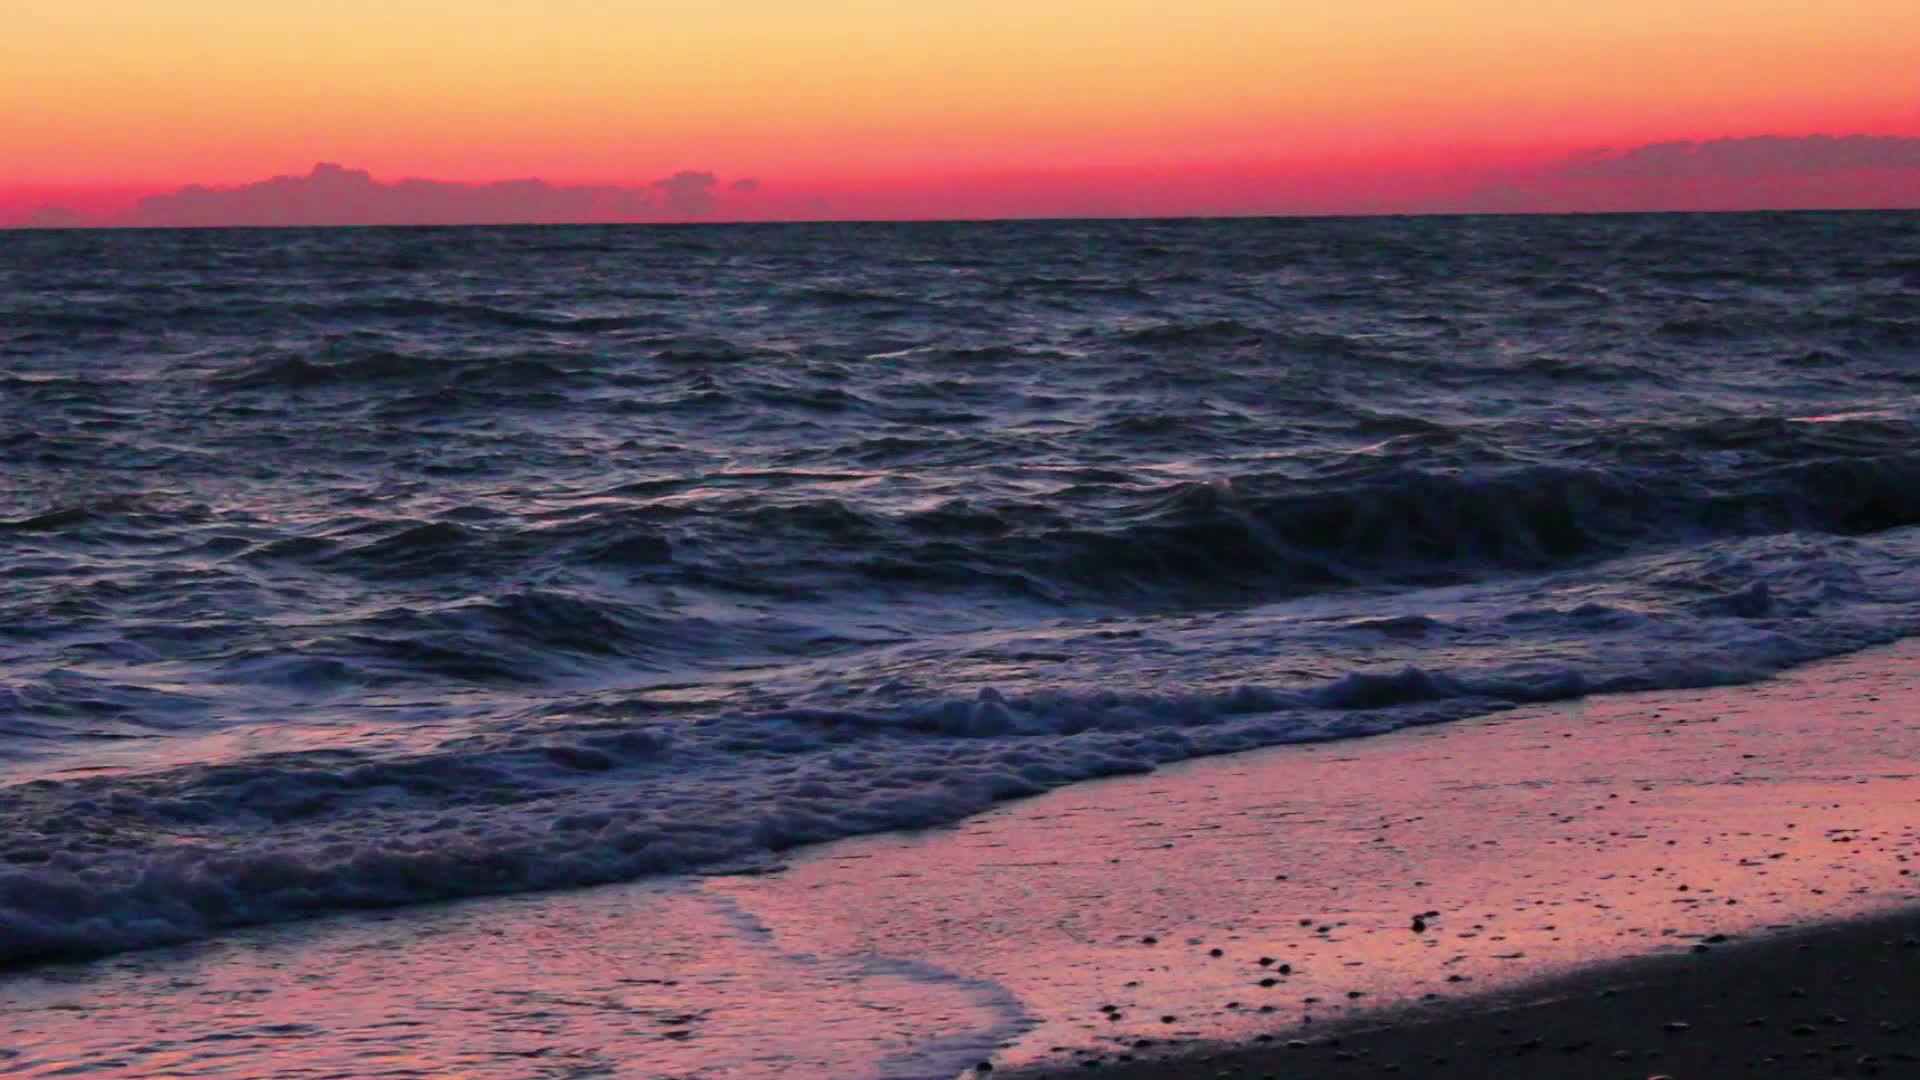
[(1222, 899)]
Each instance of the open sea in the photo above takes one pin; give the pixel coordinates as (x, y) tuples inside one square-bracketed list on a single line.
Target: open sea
[(344, 569)]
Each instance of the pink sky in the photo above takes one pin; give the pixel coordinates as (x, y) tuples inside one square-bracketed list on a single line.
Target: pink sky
[(953, 108)]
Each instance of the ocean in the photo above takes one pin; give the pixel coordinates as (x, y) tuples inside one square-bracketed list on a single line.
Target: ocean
[(348, 569)]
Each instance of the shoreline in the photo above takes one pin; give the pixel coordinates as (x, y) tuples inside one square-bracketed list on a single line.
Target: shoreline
[(1539, 845), (1829, 990), (1534, 845)]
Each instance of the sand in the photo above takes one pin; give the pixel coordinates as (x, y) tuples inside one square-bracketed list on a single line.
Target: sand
[(1835, 1001), (1656, 861), (1530, 845), (1175, 918)]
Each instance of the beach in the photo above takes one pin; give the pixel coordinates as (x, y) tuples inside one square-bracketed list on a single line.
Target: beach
[(1580, 875), (1528, 846), (1832, 1000), (873, 650)]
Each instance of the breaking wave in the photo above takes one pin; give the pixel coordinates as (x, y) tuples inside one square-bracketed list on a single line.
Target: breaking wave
[(347, 569)]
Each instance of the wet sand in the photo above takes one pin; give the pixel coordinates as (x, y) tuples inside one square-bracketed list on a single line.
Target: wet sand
[(1402, 891), (1291, 890), (1685, 884), (1835, 1001)]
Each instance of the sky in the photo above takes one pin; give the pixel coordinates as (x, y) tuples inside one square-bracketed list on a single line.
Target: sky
[(913, 108)]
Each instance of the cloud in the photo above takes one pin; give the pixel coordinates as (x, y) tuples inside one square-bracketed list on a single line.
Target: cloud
[(1752, 157), (334, 195), (1747, 173), (1763, 172), (52, 217), (687, 194)]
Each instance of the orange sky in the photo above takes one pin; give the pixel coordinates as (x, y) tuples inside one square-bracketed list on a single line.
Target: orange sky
[(862, 92)]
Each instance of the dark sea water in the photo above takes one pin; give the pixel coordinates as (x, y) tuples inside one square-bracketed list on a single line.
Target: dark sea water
[(369, 567)]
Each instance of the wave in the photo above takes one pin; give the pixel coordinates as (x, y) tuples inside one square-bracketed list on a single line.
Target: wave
[(347, 367), (563, 556), (528, 636), (357, 311), (130, 517), (1258, 536), (1210, 332), (1398, 526), (563, 799)]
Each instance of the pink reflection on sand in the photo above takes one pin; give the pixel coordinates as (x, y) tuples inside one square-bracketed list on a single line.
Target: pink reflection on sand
[(657, 980), (1543, 839)]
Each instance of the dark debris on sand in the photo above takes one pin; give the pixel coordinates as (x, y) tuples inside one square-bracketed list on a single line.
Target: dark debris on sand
[(1837, 1001)]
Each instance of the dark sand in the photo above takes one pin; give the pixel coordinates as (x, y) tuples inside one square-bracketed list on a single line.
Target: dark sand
[(1833, 1001)]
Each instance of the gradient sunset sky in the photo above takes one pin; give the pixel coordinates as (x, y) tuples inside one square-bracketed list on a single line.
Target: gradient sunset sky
[(902, 104)]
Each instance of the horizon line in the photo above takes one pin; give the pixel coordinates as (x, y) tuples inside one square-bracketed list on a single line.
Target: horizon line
[(727, 223)]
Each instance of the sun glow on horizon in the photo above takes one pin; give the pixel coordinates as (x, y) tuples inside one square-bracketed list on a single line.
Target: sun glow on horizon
[(876, 95)]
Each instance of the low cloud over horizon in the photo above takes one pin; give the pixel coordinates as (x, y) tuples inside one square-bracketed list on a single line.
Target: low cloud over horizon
[(1757, 172), (1752, 157), (332, 194), (1739, 173)]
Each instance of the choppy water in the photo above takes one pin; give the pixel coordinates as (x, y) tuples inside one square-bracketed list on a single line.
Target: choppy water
[(360, 568)]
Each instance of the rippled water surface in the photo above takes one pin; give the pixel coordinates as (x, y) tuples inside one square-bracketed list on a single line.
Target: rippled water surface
[(366, 567)]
